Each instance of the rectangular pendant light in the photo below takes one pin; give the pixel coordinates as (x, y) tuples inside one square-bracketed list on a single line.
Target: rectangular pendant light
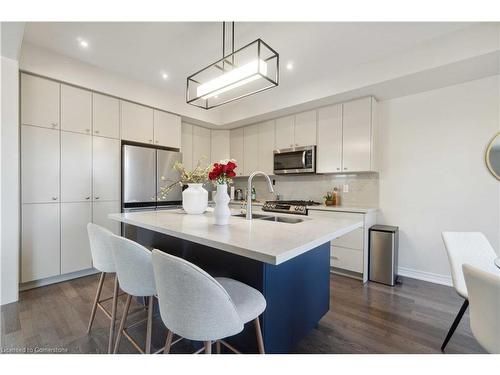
[(251, 69)]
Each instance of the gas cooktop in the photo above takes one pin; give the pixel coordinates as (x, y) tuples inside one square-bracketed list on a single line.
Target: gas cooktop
[(297, 207)]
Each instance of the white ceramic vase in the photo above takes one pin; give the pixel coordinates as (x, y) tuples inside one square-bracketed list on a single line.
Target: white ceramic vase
[(221, 210), (195, 199)]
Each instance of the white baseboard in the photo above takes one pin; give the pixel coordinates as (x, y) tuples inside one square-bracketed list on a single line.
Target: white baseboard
[(435, 278), (56, 279)]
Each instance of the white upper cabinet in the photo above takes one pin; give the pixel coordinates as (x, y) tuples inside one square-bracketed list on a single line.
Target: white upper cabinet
[(187, 145), (106, 116), (236, 149), (137, 122), (76, 167), (39, 102), (201, 146), (329, 148), (357, 135), (305, 129), (39, 164), (106, 169), (266, 147), (251, 149), (285, 132), (219, 145), (167, 129), (40, 243), (75, 247), (76, 109)]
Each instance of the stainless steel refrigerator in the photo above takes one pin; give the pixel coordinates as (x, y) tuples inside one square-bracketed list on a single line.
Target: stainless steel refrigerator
[(145, 171)]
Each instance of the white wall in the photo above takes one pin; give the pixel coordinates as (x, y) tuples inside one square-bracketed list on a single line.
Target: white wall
[(433, 176), (9, 260), (46, 63)]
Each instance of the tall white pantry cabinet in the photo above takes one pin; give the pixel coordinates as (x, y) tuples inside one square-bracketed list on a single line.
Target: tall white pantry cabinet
[(70, 174)]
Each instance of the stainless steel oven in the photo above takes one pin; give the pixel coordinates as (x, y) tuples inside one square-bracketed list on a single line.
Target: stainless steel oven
[(295, 160)]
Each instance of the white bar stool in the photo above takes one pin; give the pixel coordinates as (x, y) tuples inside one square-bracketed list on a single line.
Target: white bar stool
[(466, 247), (196, 306), (102, 259), (135, 274)]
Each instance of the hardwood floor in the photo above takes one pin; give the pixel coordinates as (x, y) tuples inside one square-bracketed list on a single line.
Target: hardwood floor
[(412, 317)]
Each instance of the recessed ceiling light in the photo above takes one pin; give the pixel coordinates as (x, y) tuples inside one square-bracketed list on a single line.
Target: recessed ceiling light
[(289, 66), (83, 43), (164, 75)]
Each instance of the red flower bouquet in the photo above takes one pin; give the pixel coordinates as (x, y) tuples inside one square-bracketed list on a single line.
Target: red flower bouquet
[(223, 171)]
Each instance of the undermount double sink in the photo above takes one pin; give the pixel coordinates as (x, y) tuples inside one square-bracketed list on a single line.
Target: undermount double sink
[(277, 219)]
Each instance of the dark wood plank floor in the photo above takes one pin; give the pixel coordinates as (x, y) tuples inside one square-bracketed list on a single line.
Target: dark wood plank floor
[(412, 317)]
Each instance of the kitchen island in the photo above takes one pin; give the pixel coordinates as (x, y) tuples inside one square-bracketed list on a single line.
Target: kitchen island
[(288, 262)]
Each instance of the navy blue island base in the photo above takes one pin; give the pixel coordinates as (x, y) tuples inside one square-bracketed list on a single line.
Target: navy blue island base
[(297, 291)]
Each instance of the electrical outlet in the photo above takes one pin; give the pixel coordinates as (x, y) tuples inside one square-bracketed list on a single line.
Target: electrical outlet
[(345, 188)]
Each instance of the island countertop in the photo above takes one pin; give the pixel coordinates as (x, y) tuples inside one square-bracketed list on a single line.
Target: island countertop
[(266, 241)]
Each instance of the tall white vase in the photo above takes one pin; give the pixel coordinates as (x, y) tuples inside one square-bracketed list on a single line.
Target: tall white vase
[(195, 199), (221, 210)]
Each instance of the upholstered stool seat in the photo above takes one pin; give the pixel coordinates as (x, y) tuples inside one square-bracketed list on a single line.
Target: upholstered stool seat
[(249, 302)]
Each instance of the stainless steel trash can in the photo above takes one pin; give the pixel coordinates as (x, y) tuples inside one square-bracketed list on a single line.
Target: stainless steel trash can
[(383, 259)]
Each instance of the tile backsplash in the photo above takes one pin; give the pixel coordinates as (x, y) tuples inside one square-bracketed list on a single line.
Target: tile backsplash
[(363, 187)]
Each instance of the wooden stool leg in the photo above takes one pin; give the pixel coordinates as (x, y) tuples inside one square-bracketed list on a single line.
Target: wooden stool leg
[(122, 323), (208, 347), (217, 346), (258, 332), (96, 299), (113, 316), (168, 343), (149, 325)]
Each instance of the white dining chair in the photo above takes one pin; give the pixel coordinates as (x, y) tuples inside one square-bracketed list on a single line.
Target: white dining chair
[(484, 297), (196, 306), (471, 248), (102, 260), (135, 275)]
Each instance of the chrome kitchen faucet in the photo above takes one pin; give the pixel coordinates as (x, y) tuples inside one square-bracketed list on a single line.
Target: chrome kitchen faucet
[(249, 189)]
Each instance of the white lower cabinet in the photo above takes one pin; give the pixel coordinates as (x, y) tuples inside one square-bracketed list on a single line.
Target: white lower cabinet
[(346, 258), (100, 212), (349, 253), (40, 242), (75, 248)]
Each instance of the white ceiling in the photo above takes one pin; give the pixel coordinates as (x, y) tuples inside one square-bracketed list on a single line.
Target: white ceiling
[(143, 50)]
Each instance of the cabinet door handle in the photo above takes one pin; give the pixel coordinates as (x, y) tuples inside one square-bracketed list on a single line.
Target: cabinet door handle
[(96, 197), (97, 131), (338, 169), (53, 124), (87, 130), (87, 198), (335, 258), (345, 168), (150, 141), (156, 141), (54, 198)]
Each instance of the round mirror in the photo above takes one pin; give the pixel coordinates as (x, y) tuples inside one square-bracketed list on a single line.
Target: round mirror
[(493, 156)]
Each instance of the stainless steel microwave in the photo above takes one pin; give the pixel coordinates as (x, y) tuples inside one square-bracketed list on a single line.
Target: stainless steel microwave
[(295, 160)]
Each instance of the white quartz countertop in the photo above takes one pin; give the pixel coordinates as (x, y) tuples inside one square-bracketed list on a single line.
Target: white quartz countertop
[(266, 241), (356, 209)]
